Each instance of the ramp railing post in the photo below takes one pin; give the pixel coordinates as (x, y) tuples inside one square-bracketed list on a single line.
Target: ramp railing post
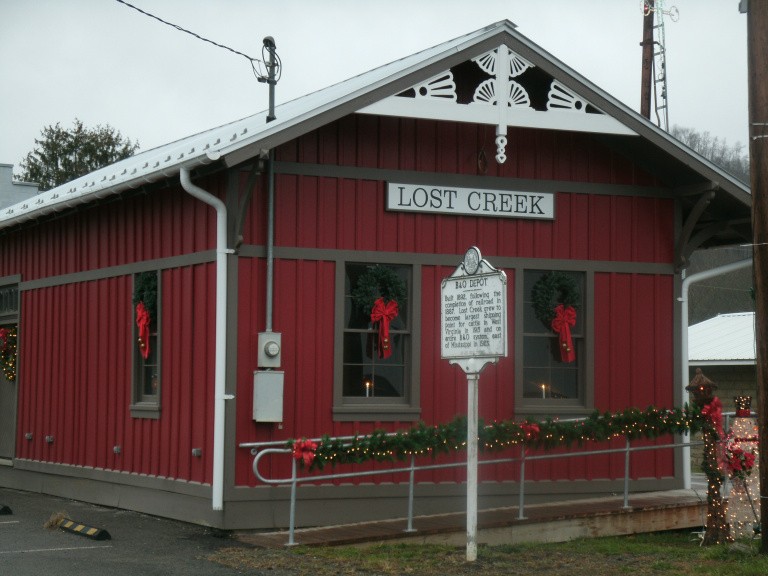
[(626, 476), (521, 495), (292, 518), (411, 483)]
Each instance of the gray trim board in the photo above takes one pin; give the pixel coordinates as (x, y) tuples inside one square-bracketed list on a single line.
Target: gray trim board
[(468, 181), (121, 270), (429, 259), (13, 279)]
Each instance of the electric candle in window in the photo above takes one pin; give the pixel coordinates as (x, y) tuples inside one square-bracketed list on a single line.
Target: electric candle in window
[(543, 390), (368, 388)]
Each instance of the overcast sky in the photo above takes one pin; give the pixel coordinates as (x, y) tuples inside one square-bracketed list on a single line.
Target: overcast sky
[(105, 63)]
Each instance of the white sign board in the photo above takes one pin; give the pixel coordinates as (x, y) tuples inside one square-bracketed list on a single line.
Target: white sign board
[(472, 201), (473, 316)]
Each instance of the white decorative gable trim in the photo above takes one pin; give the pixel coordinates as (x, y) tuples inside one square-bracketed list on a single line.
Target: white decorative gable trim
[(502, 99)]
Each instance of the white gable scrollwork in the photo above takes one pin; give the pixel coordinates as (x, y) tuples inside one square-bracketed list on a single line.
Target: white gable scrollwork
[(560, 98), (517, 96), (441, 86), (502, 89), (517, 64)]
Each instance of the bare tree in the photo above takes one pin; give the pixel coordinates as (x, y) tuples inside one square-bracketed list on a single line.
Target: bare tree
[(733, 158)]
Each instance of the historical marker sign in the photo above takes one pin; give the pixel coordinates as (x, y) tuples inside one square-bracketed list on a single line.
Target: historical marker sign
[(473, 333), (473, 309)]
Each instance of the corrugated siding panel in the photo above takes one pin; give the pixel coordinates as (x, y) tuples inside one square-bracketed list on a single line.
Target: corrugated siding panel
[(307, 352), (634, 323), (144, 227), (348, 214), (342, 214), (75, 360)]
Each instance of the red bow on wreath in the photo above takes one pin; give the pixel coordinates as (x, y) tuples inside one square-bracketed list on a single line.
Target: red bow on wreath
[(384, 314), (565, 317), (142, 322)]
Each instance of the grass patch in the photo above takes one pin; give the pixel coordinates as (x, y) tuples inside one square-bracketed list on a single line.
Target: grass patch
[(659, 554)]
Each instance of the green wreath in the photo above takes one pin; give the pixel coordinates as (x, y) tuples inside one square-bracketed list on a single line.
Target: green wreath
[(145, 290), (378, 282), (552, 289)]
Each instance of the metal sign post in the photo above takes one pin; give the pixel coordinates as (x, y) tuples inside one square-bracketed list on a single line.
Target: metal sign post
[(473, 332)]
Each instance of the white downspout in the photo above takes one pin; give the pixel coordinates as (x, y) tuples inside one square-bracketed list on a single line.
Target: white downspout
[(698, 277), (219, 414)]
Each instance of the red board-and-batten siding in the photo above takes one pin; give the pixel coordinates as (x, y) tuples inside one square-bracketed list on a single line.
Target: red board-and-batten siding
[(634, 312), (76, 338)]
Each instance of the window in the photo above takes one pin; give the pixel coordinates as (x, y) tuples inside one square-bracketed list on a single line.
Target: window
[(550, 382), (375, 378), (146, 345)]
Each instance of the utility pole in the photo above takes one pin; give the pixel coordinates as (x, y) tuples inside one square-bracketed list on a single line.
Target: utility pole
[(647, 44), (271, 79), (757, 58)]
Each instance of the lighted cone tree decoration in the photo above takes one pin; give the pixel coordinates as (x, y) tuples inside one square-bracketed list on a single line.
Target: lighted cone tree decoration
[(741, 459), (717, 529)]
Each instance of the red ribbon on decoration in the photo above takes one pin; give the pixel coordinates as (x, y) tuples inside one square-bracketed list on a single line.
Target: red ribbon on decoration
[(384, 314), (304, 451), (143, 321), (565, 317), (743, 413), (530, 431), (714, 413), (4, 332)]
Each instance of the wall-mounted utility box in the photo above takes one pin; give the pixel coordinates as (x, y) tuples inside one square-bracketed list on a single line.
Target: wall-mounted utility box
[(268, 395), (270, 349)]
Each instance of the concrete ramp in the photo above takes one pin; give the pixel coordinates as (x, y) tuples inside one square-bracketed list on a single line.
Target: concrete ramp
[(551, 522)]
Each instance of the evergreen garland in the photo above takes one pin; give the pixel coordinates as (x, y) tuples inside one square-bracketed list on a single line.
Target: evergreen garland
[(145, 290), (552, 289), (378, 282), (632, 423)]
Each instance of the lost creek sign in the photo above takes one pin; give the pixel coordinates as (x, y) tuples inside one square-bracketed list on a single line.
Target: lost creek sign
[(474, 201), (474, 316)]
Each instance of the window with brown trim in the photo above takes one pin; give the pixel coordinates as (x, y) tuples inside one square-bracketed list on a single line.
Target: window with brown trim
[(146, 345), (375, 373), (552, 381)]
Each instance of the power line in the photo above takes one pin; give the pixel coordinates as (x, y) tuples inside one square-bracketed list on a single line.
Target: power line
[(256, 72)]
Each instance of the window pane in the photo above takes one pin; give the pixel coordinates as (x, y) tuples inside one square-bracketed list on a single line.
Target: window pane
[(538, 350), (357, 314), (532, 324), (388, 380), (565, 383), (536, 383), (354, 382), (358, 347)]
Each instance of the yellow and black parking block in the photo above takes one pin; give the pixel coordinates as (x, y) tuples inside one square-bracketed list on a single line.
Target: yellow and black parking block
[(82, 530), (4, 510)]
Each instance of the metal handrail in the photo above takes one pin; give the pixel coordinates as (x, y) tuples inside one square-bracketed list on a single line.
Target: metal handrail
[(261, 449)]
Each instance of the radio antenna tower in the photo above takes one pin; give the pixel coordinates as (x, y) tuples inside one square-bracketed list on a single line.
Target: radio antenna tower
[(654, 76)]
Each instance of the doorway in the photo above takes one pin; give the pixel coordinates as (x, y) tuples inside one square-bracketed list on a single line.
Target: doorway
[(9, 317)]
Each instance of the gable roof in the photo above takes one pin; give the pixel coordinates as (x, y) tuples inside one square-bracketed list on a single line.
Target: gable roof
[(724, 218), (725, 339)]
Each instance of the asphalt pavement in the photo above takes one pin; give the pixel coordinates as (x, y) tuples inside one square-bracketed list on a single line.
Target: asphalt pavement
[(140, 544)]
